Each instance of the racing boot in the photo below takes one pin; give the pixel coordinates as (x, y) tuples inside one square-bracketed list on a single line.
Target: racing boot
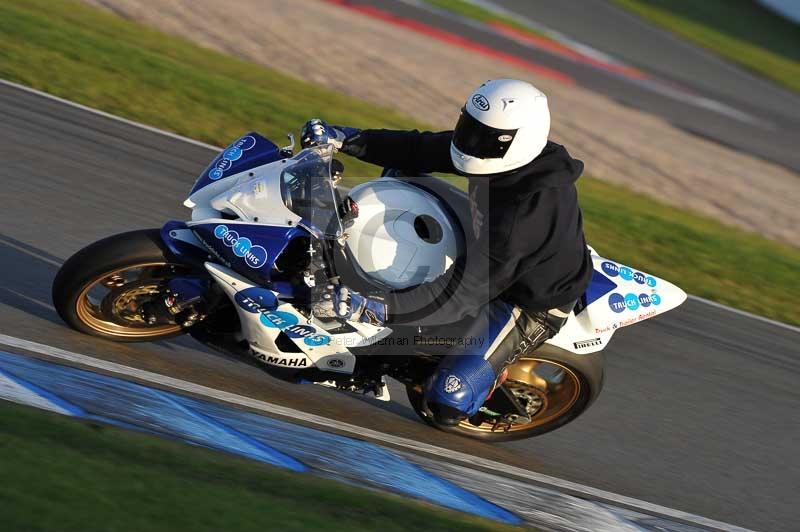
[(458, 388), (462, 382)]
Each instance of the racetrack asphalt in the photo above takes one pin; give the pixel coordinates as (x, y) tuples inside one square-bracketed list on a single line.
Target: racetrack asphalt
[(655, 50), (774, 134), (699, 408)]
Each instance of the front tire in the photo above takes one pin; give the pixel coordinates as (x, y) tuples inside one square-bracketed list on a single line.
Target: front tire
[(558, 385), (100, 289)]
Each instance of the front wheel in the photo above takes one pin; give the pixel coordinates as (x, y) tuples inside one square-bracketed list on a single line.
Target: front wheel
[(100, 290), (553, 385)]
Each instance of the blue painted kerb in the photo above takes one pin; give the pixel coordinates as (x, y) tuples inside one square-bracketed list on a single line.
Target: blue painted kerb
[(118, 402)]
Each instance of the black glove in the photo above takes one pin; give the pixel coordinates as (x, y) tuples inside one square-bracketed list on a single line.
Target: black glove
[(345, 139), (342, 302)]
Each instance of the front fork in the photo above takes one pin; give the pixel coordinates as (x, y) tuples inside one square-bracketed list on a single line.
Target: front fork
[(186, 301)]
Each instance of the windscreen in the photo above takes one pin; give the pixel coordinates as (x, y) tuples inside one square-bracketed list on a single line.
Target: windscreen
[(307, 189)]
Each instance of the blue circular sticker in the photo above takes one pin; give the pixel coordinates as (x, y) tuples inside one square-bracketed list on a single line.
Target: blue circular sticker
[(230, 238), (639, 277), (644, 300), (256, 299), (655, 299), (245, 143), (256, 257), (299, 331), (278, 319), (631, 301), (626, 273), (219, 168), (616, 302), (317, 340), (610, 269), (232, 154), (220, 231), (651, 281), (242, 246)]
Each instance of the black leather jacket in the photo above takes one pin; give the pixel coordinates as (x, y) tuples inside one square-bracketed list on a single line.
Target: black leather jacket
[(527, 244)]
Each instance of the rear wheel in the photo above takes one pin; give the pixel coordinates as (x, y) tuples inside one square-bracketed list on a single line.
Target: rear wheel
[(553, 388), (101, 289)]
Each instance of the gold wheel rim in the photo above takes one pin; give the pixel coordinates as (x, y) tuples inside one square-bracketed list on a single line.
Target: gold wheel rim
[(555, 387), (88, 305)]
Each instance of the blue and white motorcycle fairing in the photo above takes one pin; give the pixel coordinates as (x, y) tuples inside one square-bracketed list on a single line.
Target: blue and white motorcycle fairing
[(252, 182)]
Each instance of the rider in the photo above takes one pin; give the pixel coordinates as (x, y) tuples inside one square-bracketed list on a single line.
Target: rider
[(526, 263)]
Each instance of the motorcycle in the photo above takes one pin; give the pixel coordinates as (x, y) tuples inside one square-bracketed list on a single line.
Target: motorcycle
[(271, 229)]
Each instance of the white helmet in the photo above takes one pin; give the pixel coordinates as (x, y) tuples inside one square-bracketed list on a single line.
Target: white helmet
[(503, 126)]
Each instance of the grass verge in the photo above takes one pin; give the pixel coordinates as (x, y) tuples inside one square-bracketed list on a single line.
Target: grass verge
[(101, 60), (741, 31), (63, 474)]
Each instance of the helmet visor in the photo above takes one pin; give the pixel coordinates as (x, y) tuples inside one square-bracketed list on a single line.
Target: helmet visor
[(474, 138)]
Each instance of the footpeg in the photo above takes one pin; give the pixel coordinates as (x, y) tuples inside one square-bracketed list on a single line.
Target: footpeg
[(379, 389), (382, 392)]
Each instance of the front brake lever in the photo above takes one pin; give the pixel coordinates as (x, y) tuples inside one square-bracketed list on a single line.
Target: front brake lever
[(288, 151)]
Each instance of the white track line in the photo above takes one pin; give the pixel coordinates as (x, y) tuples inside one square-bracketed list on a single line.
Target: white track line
[(177, 384), (745, 314), (30, 253), (116, 118), (216, 148)]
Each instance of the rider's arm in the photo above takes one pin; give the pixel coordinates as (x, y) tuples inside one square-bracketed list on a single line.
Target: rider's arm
[(404, 150)]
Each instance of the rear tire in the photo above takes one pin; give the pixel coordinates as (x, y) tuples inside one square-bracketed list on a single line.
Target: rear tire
[(129, 268), (585, 372)]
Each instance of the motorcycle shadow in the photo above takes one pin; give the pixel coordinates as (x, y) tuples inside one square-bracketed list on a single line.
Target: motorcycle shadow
[(28, 273), (398, 405)]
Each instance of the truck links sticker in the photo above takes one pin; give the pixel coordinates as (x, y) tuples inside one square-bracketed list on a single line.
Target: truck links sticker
[(263, 302)]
